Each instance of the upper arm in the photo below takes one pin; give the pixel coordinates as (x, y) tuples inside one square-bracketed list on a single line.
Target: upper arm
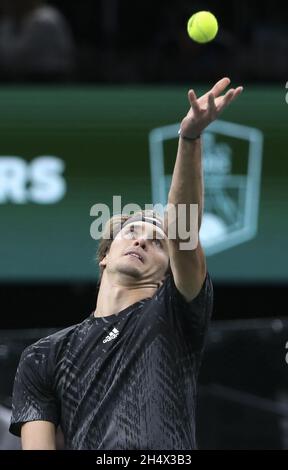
[(188, 268), (34, 396), (38, 435)]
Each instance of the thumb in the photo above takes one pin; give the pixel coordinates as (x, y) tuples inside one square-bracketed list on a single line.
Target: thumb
[(193, 101), (192, 96)]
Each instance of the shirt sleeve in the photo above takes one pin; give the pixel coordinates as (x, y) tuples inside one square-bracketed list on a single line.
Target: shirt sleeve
[(191, 319), (33, 397)]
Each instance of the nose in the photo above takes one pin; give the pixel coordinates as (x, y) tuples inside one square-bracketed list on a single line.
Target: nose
[(140, 241)]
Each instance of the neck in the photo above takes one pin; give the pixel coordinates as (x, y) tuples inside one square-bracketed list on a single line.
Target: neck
[(114, 296)]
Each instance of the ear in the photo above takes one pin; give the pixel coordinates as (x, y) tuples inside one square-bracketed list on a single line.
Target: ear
[(103, 262)]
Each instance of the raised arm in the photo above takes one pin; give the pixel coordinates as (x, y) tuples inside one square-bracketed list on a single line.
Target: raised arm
[(38, 435), (188, 265)]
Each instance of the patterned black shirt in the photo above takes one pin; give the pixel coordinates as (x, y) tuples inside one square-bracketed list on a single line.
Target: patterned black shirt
[(125, 381)]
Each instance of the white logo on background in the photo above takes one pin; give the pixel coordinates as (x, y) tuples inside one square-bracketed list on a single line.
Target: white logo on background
[(232, 163), (112, 335), (39, 181)]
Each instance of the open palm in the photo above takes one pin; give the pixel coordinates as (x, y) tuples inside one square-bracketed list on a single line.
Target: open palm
[(207, 108)]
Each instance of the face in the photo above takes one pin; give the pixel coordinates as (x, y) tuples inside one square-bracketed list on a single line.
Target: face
[(140, 252)]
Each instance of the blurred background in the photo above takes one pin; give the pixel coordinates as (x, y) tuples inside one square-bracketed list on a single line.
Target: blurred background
[(91, 96)]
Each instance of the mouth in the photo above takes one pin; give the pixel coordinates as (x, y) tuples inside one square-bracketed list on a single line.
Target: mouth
[(135, 255)]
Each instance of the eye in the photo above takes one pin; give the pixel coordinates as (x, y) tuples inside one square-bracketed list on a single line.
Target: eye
[(129, 232), (157, 242)]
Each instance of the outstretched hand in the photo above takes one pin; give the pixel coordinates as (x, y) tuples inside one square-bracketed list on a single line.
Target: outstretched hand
[(207, 108)]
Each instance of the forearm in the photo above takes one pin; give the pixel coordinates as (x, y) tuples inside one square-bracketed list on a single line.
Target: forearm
[(38, 435), (187, 185)]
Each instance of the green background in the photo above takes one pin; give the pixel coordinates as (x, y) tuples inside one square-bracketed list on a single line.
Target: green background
[(102, 135)]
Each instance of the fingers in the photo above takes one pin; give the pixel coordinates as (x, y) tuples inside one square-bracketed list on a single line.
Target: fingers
[(238, 91), (193, 101), (228, 97), (232, 95), (220, 86), (217, 89), (211, 105), (224, 101), (216, 103)]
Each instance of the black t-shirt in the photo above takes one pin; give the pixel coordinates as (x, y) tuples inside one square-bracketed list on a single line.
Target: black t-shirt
[(125, 381)]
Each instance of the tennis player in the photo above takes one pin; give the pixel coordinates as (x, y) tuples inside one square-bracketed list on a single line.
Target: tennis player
[(126, 377)]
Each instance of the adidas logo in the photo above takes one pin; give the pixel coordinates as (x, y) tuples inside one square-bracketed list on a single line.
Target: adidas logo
[(112, 335)]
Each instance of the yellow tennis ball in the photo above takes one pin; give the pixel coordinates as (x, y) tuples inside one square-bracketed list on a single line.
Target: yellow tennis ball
[(202, 27)]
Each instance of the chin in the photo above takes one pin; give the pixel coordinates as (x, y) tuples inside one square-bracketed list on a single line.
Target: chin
[(132, 271)]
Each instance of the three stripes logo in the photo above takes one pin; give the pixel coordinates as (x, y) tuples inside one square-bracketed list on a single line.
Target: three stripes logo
[(112, 335)]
